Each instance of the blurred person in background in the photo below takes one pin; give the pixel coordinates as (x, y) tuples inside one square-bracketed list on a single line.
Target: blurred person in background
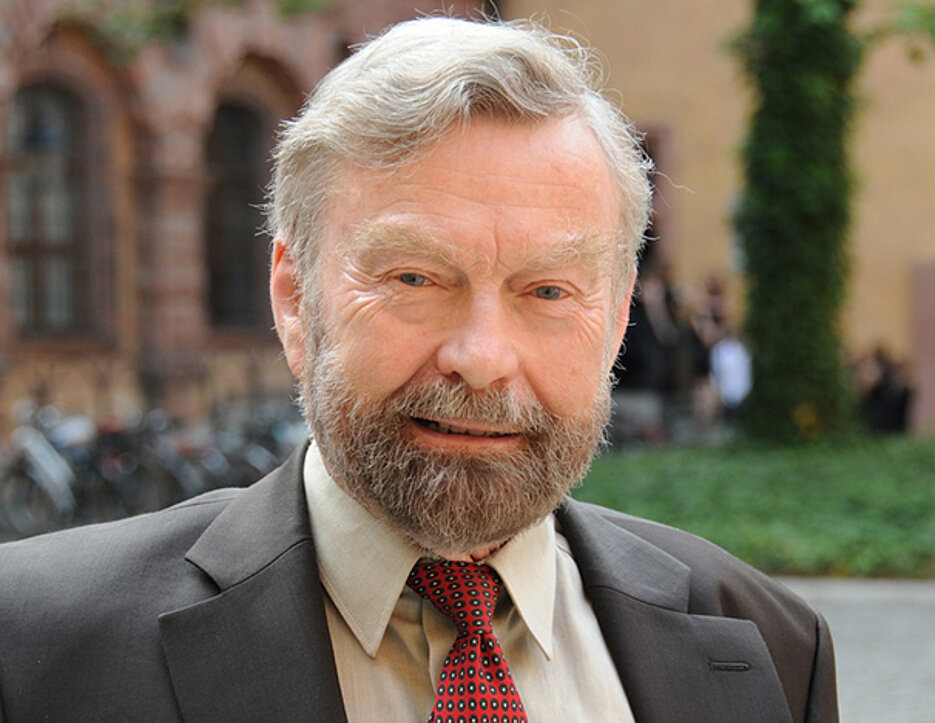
[(647, 367), (707, 319), (883, 392), (731, 371), (458, 213)]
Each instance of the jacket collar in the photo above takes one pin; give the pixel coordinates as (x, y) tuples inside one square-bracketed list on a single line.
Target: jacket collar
[(260, 649), (265, 520), (609, 556), (674, 666)]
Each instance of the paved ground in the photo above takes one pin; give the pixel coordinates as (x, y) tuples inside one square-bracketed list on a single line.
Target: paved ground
[(884, 637)]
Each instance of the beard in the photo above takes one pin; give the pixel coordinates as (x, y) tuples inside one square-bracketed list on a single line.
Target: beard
[(447, 502)]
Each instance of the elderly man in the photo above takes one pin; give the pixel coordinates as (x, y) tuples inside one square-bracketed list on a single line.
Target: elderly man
[(458, 213)]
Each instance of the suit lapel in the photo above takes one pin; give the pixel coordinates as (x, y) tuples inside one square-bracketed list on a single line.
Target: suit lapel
[(260, 649), (675, 667)]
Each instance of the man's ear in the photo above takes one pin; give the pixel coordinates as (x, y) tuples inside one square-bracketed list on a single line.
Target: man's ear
[(286, 298), (620, 321)]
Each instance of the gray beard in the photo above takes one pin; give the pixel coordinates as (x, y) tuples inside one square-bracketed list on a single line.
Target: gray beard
[(447, 502)]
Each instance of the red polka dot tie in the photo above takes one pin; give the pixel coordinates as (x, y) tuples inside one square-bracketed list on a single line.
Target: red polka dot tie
[(475, 685)]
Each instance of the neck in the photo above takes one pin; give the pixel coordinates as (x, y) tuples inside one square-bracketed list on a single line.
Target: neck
[(476, 555)]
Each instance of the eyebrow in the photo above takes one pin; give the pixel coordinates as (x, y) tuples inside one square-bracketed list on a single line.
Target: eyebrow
[(591, 251), (376, 239)]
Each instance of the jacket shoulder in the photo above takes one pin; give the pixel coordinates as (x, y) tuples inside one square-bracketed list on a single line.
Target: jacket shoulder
[(79, 614), (717, 577), (721, 585), (92, 577), (125, 547)]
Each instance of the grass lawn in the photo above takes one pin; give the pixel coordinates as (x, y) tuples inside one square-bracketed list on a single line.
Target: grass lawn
[(862, 509)]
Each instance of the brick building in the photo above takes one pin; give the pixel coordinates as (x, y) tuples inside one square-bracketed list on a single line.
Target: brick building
[(131, 268)]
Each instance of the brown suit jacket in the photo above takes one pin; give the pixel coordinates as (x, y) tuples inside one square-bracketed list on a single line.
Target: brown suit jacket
[(213, 611)]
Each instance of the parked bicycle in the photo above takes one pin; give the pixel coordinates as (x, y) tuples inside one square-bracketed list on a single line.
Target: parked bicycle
[(61, 470)]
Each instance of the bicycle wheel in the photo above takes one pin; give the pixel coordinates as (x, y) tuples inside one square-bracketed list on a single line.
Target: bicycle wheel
[(26, 505)]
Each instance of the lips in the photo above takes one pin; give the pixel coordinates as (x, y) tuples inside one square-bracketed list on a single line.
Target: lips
[(464, 431)]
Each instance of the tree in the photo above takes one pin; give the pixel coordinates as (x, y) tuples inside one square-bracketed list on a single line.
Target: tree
[(793, 218)]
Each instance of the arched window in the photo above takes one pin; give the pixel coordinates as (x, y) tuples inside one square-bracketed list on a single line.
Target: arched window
[(237, 264), (46, 199)]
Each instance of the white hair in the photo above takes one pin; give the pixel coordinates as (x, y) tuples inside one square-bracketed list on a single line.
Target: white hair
[(394, 99)]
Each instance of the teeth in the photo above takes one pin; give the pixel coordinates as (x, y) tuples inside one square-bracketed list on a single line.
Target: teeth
[(448, 429)]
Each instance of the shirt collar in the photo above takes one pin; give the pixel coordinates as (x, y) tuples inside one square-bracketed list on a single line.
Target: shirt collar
[(363, 563), (527, 565)]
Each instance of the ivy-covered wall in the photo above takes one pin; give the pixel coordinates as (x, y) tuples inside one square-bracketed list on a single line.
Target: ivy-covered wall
[(793, 219)]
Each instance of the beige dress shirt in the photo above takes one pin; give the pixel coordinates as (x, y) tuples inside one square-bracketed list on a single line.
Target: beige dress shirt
[(390, 644)]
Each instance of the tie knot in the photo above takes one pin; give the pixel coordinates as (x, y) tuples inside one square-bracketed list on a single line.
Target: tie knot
[(465, 592)]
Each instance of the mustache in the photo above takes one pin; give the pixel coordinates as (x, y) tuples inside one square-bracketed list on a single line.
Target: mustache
[(454, 399)]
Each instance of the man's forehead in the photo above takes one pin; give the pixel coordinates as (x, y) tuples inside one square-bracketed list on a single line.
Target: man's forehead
[(377, 240), (552, 151), (527, 195)]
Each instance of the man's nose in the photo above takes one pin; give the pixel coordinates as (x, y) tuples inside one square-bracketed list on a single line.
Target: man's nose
[(480, 347)]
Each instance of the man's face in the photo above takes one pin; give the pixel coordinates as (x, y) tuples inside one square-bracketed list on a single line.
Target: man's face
[(467, 329)]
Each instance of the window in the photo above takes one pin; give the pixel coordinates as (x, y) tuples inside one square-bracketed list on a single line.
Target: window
[(46, 200), (236, 253)]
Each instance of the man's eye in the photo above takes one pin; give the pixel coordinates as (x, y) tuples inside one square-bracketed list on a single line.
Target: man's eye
[(549, 293), (414, 279)]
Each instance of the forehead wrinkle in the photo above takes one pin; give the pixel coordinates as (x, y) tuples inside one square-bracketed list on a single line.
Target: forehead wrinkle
[(485, 176), (480, 196)]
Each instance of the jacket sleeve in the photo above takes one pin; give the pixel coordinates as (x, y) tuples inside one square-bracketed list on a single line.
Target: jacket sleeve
[(822, 695)]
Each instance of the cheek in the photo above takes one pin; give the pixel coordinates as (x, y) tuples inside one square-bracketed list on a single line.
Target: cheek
[(567, 389), (380, 355), (566, 371), (376, 354)]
